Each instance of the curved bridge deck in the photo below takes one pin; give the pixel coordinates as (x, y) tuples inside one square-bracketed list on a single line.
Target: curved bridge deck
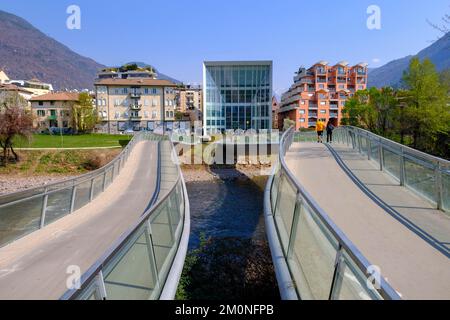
[(35, 267), (413, 266)]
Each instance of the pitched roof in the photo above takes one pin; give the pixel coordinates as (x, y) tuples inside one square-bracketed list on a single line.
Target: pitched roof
[(136, 82), (12, 87), (57, 96)]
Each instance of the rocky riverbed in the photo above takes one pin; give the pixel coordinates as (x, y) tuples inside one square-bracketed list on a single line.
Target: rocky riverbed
[(10, 183)]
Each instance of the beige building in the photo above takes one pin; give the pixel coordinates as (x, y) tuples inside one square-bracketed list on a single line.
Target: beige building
[(190, 98), (53, 110), (27, 95), (35, 86), (135, 104)]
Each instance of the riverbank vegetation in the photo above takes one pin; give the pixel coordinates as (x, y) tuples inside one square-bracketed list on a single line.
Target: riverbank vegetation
[(416, 115), (73, 141), (67, 162)]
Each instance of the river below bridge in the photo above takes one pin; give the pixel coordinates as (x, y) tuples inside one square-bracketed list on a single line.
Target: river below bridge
[(229, 256)]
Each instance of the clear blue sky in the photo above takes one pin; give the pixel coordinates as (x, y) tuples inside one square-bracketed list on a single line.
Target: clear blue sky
[(176, 36)]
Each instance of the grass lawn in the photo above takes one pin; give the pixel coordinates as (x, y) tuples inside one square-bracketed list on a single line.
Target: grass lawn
[(74, 141)]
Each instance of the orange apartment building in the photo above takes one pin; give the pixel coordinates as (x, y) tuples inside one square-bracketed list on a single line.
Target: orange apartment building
[(320, 93)]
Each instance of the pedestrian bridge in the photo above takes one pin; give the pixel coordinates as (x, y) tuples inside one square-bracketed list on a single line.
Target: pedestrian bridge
[(120, 232), (361, 218)]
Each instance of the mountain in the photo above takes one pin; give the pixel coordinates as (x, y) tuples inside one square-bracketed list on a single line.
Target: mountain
[(27, 53), (391, 73)]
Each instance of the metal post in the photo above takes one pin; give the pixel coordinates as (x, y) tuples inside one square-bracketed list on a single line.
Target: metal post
[(152, 255), (380, 154), (336, 282), (44, 209), (91, 194), (100, 286), (72, 199), (439, 189), (402, 167), (104, 181), (295, 219)]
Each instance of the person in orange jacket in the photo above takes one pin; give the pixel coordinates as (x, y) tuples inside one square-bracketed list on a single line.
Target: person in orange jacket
[(320, 126)]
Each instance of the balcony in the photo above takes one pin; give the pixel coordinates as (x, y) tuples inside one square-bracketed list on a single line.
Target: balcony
[(52, 117), (313, 107), (135, 117), (312, 114), (334, 107), (135, 95), (312, 124)]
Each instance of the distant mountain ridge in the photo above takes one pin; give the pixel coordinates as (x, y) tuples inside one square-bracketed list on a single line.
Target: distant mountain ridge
[(391, 73), (27, 53)]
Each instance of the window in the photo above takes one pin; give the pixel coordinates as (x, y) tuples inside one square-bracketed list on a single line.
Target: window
[(52, 103), (302, 120), (302, 111), (154, 114), (146, 102), (41, 103), (323, 111), (41, 113), (302, 102), (155, 102), (322, 103)]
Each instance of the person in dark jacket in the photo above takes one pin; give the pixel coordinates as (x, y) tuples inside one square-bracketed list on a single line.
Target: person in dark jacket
[(330, 129)]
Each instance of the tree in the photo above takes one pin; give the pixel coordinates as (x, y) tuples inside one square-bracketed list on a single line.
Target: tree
[(84, 116), (426, 108), (15, 121), (287, 123)]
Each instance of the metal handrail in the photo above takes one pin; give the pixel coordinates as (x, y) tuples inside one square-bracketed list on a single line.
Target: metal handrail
[(385, 290), (89, 276), (388, 143), (439, 165), (71, 183), (109, 255)]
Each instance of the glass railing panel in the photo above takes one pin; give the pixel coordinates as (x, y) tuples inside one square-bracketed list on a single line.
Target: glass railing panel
[(313, 257), (421, 179), (82, 195), (174, 212), (20, 195), (375, 151), (275, 185), (391, 163), (351, 283), (19, 219), (284, 212), (130, 275), (162, 239), (97, 186), (364, 144), (108, 178), (58, 205)]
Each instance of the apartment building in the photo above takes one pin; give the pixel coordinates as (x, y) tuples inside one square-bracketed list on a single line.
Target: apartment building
[(135, 103), (275, 108), (320, 93), (35, 86), (53, 110), (237, 95), (190, 98)]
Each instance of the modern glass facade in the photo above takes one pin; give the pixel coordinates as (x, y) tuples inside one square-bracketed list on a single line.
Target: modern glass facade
[(238, 95)]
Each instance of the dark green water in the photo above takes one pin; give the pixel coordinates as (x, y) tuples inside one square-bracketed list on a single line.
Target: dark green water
[(229, 256)]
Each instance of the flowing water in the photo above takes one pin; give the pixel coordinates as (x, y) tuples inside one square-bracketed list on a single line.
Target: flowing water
[(233, 260)]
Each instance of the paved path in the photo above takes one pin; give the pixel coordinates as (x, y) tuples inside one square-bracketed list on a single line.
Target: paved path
[(419, 212), (35, 266), (411, 265)]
